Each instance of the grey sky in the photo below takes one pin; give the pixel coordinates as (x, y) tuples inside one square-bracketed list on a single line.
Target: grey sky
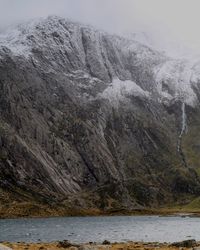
[(179, 18)]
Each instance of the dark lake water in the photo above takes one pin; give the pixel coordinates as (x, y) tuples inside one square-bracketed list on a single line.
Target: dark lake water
[(97, 229)]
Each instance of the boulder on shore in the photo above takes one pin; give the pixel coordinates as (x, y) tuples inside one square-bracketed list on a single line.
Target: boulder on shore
[(185, 243)]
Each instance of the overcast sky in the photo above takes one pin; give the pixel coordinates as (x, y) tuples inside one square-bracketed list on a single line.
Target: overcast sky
[(176, 18)]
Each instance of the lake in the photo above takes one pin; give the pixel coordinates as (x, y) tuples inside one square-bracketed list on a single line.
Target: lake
[(98, 229)]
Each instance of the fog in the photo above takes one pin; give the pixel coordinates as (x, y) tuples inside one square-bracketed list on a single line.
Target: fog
[(167, 20)]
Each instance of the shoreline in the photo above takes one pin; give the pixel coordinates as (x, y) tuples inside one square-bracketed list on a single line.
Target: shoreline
[(106, 245), (98, 213)]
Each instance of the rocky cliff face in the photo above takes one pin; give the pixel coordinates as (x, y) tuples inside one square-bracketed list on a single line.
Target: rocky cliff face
[(95, 120)]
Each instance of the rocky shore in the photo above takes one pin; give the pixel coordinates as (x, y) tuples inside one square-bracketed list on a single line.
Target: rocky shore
[(106, 245)]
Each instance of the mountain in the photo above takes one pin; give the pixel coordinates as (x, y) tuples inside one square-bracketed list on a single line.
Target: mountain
[(91, 120)]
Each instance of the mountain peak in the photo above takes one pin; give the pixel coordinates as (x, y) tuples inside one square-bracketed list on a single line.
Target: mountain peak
[(57, 44)]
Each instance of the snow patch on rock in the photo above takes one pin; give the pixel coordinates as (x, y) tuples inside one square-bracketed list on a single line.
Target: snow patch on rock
[(119, 90), (173, 80), (15, 38)]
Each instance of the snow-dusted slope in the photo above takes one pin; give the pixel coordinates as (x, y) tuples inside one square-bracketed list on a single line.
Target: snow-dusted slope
[(174, 81), (53, 38), (94, 118), (118, 91)]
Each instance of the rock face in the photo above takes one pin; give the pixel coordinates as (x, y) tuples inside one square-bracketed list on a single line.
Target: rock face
[(95, 120)]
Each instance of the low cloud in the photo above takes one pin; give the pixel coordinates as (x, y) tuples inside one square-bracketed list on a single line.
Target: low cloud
[(176, 18)]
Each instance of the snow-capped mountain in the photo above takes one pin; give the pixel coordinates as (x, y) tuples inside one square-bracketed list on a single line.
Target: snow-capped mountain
[(94, 119)]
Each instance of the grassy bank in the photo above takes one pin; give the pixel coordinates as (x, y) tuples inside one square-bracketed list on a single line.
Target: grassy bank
[(10, 208), (38, 211), (93, 246)]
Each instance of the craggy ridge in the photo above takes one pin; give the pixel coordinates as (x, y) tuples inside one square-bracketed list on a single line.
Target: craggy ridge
[(91, 120)]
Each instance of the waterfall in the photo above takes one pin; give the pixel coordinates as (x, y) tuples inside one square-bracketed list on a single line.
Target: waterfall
[(183, 123), (183, 127), (183, 131)]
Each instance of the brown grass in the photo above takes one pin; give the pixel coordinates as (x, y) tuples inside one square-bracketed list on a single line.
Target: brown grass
[(93, 246)]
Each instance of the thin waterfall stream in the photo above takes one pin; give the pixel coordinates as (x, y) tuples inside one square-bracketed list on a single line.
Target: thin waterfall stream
[(183, 131)]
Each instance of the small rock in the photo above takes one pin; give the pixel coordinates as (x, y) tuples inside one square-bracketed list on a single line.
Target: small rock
[(196, 248), (64, 244), (106, 242), (2, 247), (185, 243)]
